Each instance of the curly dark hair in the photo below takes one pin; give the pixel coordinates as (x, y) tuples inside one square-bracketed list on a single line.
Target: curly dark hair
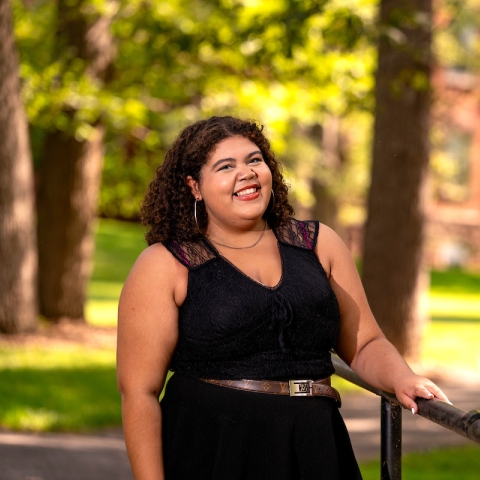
[(167, 209)]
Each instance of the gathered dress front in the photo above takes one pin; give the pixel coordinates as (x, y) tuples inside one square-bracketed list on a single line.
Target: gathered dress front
[(232, 327)]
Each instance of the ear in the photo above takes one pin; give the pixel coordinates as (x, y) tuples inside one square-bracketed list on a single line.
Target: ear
[(194, 187)]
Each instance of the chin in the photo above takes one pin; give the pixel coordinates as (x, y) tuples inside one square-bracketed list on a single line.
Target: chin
[(253, 214)]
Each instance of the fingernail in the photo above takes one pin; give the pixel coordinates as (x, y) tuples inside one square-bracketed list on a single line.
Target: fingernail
[(430, 394), (449, 402), (413, 410)]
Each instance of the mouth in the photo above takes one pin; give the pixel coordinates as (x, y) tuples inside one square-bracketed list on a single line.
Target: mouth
[(247, 191)]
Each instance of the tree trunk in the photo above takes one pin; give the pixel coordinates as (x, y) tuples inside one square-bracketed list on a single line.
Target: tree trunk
[(325, 208), (394, 228), (18, 256), (70, 174)]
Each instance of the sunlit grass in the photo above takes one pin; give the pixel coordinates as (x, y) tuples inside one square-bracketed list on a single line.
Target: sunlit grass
[(102, 304), (454, 295), (58, 388), (73, 387), (455, 281), (456, 463), (451, 339), (452, 345), (454, 306), (118, 244), (52, 357)]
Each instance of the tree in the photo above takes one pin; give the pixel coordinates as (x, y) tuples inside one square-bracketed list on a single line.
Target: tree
[(18, 258), (394, 228), (71, 167)]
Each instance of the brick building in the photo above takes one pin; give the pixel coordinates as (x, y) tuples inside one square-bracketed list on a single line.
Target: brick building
[(453, 208)]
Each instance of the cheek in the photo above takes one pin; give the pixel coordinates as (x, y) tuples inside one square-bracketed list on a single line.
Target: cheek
[(224, 185), (217, 188), (267, 175)]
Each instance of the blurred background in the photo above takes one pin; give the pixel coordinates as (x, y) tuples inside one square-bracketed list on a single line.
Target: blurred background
[(372, 108)]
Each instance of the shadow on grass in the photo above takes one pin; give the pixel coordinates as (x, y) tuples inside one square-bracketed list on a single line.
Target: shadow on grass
[(59, 399)]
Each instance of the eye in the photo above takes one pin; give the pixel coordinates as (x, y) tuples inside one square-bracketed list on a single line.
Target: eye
[(225, 167), (256, 160)]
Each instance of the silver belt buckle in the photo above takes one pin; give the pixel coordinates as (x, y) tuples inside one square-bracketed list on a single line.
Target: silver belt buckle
[(301, 388)]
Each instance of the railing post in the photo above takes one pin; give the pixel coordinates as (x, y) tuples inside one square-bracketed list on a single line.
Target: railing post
[(391, 441)]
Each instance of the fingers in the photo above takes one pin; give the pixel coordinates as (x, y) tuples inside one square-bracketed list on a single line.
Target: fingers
[(424, 392), (437, 392), (427, 390), (408, 402)]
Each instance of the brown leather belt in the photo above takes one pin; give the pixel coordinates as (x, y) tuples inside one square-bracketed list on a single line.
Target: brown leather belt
[(294, 388)]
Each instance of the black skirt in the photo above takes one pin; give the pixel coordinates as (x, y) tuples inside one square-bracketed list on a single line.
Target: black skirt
[(212, 432)]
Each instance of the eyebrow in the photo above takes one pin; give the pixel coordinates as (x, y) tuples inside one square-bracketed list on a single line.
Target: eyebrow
[(231, 159)]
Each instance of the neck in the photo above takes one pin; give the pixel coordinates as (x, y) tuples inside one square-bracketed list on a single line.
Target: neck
[(236, 235)]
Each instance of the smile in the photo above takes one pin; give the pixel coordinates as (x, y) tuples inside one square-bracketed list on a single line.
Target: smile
[(247, 191)]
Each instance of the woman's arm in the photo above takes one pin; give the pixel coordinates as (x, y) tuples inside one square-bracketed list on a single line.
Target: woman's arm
[(147, 336), (362, 345)]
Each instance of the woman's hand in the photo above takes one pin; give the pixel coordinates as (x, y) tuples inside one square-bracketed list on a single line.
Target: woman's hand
[(409, 387)]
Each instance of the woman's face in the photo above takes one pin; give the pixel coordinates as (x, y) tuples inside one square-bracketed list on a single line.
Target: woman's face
[(235, 183)]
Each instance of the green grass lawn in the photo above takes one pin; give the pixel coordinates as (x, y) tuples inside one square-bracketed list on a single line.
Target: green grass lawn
[(459, 463), (58, 388), (118, 244)]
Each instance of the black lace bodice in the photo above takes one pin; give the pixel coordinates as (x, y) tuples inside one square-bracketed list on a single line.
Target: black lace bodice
[(232, 327)]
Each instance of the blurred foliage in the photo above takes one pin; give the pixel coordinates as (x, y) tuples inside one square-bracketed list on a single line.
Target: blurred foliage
[(450, 162), (457, 48), (457, 39), (295, 65), (291, 65)]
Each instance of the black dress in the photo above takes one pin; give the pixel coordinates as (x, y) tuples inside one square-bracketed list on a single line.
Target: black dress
[(232, 327)]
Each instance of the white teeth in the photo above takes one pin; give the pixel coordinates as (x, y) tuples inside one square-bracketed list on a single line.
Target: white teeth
[(248, 191)]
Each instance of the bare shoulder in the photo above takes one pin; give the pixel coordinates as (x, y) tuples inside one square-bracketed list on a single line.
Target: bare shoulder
[(330, 248), (148, 319), (154, 260), (157, 272)]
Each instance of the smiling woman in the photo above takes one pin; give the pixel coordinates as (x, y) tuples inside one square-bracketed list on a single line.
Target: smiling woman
[(168, 208), (243, 303), (237, 188)]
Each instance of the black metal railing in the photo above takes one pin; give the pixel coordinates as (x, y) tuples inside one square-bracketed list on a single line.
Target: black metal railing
[(464, 423)]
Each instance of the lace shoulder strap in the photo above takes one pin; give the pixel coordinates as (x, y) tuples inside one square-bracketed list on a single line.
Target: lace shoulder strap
[(189, 254), (301, 234)]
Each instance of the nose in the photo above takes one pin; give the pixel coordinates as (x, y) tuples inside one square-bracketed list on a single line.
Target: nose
[(246, 173)]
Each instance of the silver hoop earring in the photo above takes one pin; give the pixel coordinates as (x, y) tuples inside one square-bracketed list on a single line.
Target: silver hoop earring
[(195, 213), (270, 210)]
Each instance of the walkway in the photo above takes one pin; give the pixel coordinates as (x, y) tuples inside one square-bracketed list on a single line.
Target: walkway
[(102, 456)]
